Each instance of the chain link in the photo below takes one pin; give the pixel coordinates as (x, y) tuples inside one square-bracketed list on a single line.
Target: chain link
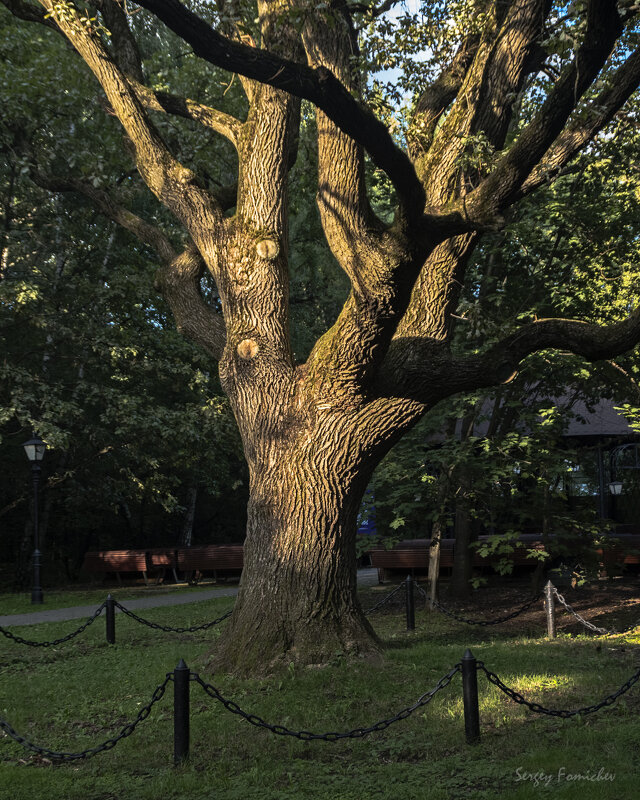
[(588, 624), (485, 622), (333, 736), (385, 599), (109, 744), (66, 638), (518, 698), (421, 590), (167, 628)]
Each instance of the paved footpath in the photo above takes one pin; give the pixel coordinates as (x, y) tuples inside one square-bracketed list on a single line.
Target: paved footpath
[(366, 577)]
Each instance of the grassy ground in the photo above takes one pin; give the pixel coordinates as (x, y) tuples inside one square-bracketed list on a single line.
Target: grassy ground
[(80, 693), (94, 594)]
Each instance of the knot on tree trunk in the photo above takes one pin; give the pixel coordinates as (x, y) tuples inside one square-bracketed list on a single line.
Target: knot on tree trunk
[(247, 349)]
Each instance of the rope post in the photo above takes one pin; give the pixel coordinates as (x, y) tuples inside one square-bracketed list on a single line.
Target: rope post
[(181, 680), (550, 609), (411, 604), (470, 697), (111, 619)]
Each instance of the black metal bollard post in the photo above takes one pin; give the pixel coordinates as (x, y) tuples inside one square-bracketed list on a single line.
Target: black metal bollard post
[(111, 620), (411, 604), (550, 609), (470, 697), (181, 676)]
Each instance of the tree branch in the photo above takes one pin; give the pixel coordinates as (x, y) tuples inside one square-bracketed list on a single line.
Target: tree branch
[(224, 124), (501, 187), (179, 276), (124, 45), (172, 183), (500, 362), (148, 234), (30, 13), (424, 370), (319, 86), (437, 97), (128, 60), (179, 282), (589, 122), (485, 99)]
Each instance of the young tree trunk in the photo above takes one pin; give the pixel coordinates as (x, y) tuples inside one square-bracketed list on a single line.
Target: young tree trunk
[(186, 533), (434, 563), (460, 585)]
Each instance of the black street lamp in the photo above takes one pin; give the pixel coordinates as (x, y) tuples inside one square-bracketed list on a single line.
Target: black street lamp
[(35, 449)]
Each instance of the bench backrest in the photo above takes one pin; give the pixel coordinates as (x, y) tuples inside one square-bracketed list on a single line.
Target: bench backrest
[(115, 561)]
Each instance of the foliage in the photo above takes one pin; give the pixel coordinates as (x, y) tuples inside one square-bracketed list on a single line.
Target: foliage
[(573, 246)]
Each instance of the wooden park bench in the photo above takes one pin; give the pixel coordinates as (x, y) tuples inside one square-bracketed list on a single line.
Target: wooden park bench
[(412, 556), (160, 559), (409, 557), (117, 561), (622, 550), (221, 560)]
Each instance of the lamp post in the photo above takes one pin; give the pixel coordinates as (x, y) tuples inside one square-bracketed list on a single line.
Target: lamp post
[(35, 449)]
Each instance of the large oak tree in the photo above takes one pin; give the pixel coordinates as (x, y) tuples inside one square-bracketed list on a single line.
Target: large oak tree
[(313, 432)]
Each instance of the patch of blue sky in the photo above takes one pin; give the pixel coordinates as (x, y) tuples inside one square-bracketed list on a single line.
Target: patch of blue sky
[(397, 76)]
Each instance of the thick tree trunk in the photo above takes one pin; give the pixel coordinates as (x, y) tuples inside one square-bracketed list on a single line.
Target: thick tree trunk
[(298, 600)]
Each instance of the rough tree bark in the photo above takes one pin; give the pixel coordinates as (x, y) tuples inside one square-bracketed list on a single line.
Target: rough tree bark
[(314, 432)]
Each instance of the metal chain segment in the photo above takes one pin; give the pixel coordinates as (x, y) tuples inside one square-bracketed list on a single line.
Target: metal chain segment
[(332, 736), (109, 744), (385, 599), (485, 622), (168, 628), (588, 624), (421, 590), (66, 638), (518, 698)]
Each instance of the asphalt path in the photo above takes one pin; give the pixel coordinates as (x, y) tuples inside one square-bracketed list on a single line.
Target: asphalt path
[(366, 577)]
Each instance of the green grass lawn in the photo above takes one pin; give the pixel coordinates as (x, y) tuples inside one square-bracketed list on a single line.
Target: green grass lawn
[(78, 694), (20, 602)]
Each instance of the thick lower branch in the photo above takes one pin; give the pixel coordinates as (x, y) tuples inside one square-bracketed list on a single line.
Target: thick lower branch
[(179, 282), (429, 372)]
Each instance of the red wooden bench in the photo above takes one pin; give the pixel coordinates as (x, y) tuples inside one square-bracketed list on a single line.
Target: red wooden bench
[(225, 560), (621, 550), (410, 556), (160, 559), (116, 561)]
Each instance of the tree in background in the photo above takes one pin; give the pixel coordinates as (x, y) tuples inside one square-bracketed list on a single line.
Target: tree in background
[(132, 412), (509, 93)]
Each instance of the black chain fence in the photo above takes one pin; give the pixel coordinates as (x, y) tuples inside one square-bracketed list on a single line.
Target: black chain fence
[(333, 736), (109, 744), (20, 640), (168, 628), (182, 676), (590, 625), (485, 622), (389, 596), (539, 709)]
